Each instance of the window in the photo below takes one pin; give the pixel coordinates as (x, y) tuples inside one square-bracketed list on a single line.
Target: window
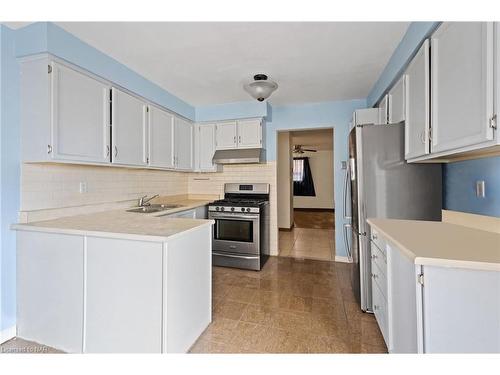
[(303, 184), (298, 170)]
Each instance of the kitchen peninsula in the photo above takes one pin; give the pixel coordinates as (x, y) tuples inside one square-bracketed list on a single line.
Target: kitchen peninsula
[(114, 281)]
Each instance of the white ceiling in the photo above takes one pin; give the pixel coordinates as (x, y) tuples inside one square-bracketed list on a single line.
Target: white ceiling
[(209, 62), (320, 139)]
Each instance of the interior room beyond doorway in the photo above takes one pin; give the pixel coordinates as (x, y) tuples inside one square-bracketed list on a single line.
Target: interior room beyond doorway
[(306, 194)]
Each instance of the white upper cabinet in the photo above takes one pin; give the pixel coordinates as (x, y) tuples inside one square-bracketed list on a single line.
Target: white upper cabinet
[(204, 148), (129, 129), (384, 110), (183, 144), (250, 133), (239, 134), (462, 85), (161, 138), (226, 135), (397, 102), (417, 104), (80, 116)]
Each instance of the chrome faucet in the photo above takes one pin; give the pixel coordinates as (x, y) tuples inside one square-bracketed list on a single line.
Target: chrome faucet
[(144, 201)]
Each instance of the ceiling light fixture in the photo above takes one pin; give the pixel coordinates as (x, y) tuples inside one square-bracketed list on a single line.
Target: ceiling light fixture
[(261, 88)]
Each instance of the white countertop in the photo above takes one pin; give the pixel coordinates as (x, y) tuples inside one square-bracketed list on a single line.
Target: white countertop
[(123, 224), (442, 244)]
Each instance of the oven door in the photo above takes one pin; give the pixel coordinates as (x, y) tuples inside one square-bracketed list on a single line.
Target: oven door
[(235, 233)]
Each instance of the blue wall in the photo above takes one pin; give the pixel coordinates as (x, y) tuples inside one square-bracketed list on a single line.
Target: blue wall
[(460, 186), (44, 37), (319, 115), (9, 172), (407, 48), (229, 111)]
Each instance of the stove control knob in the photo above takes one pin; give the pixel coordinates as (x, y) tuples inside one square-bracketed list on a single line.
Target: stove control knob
[(248, 209), (216, 208), (232, 208), (242, 209), (222, 208)]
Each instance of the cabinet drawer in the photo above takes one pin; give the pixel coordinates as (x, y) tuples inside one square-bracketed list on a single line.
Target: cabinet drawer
[(380, 311), (378, 240), (379, 277), (379, 257)]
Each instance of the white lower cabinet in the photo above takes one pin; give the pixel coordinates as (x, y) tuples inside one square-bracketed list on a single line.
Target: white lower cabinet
[(435, 309), (193, 213), (50, 289), (123, 296), (86, 294)]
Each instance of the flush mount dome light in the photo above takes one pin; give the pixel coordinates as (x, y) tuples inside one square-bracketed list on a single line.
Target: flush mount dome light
[(261, 88)]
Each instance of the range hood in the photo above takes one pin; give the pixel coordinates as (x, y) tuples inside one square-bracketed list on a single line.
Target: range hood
[(238, 156)]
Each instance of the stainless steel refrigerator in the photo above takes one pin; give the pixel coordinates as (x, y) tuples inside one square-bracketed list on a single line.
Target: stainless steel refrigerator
[(380, 183)]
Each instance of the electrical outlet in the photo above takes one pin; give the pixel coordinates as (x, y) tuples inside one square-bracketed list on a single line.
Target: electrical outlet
[(480, 189), (83, 187)]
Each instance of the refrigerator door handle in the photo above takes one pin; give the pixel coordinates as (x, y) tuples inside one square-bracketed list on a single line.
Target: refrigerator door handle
[(346, 241), (346, 188)]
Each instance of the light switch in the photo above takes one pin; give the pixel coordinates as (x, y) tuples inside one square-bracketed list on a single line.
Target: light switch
[(480, 189)]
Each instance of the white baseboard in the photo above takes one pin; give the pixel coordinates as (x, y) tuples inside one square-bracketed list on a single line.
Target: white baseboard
[(7, 334), (341, 259)]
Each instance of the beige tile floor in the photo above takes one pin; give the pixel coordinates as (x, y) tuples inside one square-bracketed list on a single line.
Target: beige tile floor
[(290, 306), (307, 243)]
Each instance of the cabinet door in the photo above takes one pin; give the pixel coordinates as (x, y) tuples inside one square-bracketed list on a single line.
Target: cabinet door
[(226, 135), (418, 104), (80, 116), (183, 144), (249, 134), (397, 102), (380, 312), (205, 147), (462, 78), (50, 289), (129, 129), (161, 138), (124, 296), (461, 310), (384, 110)]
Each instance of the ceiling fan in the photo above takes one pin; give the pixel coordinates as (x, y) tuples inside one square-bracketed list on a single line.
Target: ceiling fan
[(299, 149)]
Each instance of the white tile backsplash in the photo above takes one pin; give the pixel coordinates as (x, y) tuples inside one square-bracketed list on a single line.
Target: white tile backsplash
[(55, 187)]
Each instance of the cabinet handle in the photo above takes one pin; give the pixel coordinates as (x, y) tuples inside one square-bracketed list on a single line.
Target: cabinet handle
[(239, 139), (374, 256), (374, 275), (116, 151), (107, 150), (234, 139), (422, 136), (493, 121), (376, 307), (374, 236), (49, 149)]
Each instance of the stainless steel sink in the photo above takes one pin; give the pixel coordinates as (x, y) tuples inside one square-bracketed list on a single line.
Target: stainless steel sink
[(154, 208)]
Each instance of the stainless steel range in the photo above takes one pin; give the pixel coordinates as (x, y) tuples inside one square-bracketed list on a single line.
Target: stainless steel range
[(241, 231)]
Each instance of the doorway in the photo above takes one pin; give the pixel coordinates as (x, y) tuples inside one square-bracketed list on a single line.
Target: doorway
[(306, 205)]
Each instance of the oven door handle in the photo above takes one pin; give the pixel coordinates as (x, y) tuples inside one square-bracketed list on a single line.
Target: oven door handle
[(251, 217), (235, 256)]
